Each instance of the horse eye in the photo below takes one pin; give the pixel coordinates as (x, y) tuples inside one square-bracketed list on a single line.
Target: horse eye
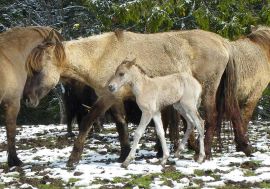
[(121, 74)]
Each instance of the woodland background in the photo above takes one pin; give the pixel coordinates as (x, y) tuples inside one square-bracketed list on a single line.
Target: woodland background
[(81, 18)]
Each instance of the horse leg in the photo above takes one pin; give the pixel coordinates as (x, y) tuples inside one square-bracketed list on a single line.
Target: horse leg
[(145, 119), (11, 113), (240, 133), (69, 110), (118, 113), (161, 136), (182, 143), (165, 114), (98, 109), (199, 124), (192, 142), (211, 123), (193, 119), (247, 112), (174, 128), (188, 130), (70, 116)]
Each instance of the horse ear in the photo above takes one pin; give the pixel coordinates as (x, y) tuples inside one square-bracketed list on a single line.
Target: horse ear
[(51, 35), (133, 61), (253, 28)]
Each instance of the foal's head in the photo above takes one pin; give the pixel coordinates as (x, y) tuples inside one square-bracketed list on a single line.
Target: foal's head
[(44, 65), (122, 76)]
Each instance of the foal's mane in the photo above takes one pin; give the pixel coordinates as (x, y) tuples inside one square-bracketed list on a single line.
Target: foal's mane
[(130, 63), (261, 36), (33, 62)]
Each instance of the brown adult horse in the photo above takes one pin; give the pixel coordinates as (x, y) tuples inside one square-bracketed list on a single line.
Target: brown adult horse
[(94, 60), (15, 45)]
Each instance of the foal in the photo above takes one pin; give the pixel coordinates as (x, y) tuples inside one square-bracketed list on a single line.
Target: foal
[(152, 94)]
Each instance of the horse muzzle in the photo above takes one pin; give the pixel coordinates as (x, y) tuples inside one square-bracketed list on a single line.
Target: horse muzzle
[(111, 88), (32, 103)]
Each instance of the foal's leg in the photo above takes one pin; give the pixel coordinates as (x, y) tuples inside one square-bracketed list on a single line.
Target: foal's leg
[(145, 119), (161, 136), (188, 130), (103, 104), (192, 116), (200, 128), (11, 112), (192, 142), (182, 144), (118, 113)]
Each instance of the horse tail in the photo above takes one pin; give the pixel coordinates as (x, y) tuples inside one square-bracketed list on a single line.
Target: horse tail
[(226, 99)]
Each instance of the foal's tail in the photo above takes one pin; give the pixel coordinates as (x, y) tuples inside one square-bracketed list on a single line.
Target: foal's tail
[(226, 97)]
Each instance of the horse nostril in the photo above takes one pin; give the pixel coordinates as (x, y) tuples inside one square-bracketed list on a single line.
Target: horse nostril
[(111, 88)]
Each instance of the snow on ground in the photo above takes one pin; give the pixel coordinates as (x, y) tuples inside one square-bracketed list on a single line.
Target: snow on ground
[(45, 151)]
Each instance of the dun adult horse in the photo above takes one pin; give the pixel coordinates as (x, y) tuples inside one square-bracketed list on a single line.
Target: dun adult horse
[(15, 45), (78, 95), (250, 69), (93, 60), (153, 94)]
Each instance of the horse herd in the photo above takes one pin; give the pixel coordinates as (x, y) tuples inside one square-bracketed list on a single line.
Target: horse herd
[(231, 74)]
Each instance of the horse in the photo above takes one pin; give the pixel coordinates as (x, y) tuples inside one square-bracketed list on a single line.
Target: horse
[(93, 60), (15, 45), (152, 94), (251, 72), (78, 98)]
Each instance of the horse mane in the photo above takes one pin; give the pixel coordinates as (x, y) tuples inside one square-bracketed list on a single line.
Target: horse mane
[(12, 33), (119, 33), (132, 63), (261, 36), (33, 62)]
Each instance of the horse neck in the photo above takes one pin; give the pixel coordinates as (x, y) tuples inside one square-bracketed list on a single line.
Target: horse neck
[(83, 57), (138, 81), (75, 67)]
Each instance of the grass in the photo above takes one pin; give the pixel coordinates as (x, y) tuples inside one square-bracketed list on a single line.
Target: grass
[(264, 184), (49, 186), (231, 186), (144, 181), (249, 173), (253, 164), (199, 172), (73, 180)]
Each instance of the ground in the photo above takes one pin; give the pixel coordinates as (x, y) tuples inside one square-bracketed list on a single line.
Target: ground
[(45, 151)]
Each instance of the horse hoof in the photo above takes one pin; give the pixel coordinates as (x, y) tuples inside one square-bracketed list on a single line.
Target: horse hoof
[(70, 135), (163, 163), (159, 154), (72, 164), (248, 151), (200, 159), (208, 155), (124, 154), (15, 161), (177, 154), (124, 165)]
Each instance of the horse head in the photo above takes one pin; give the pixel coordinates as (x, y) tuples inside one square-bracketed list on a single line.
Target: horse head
[(122, 76), (44, 66)]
